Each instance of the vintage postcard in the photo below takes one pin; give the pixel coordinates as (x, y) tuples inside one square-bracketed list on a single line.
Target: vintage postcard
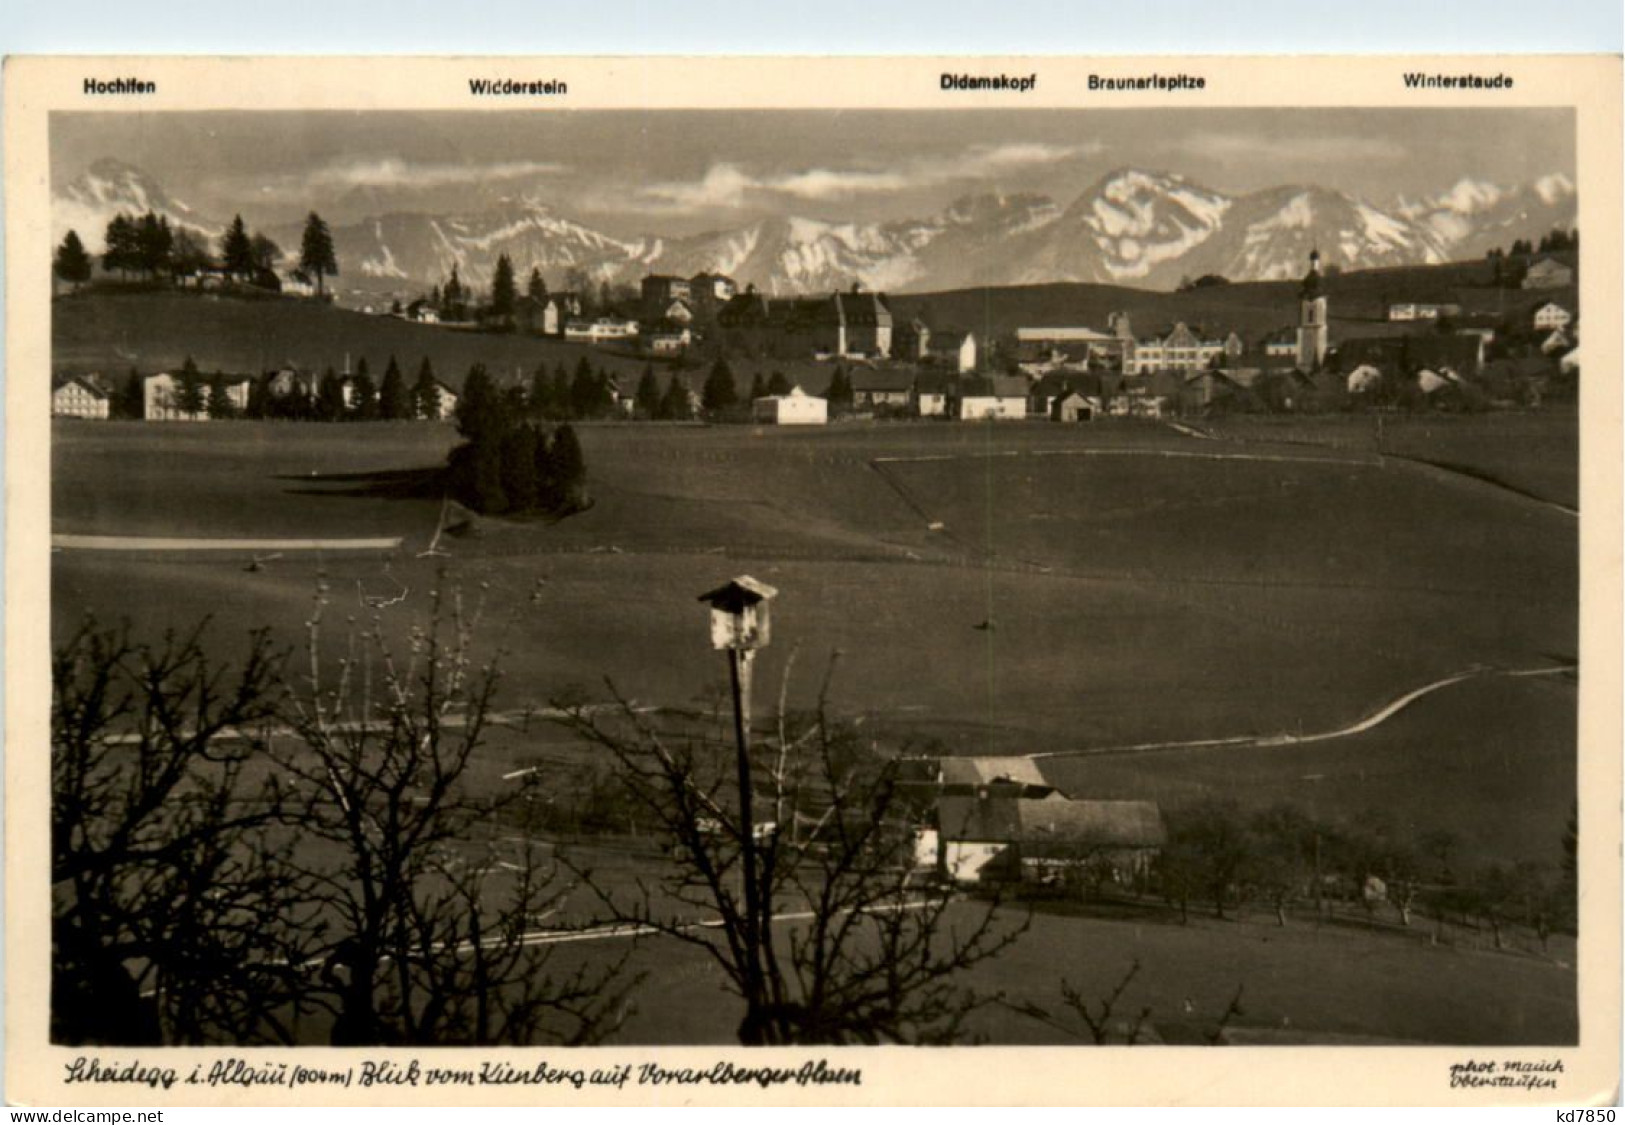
[(862, 581)]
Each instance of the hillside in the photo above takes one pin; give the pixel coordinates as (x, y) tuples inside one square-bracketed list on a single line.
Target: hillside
[(113, 332), (1357, 301)]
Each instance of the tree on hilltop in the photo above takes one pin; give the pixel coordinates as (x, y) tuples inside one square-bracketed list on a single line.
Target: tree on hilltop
[(503, 292), (316, 254), (72, 264), (186, 257), (121, 250), (237, 250), (266, 253)]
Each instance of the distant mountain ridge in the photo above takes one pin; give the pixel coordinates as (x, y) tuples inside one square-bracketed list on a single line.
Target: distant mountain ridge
[(1130, 227)]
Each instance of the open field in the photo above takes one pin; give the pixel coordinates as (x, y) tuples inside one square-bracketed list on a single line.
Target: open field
[(1536, 453), (1297, 983), (1130, 586)]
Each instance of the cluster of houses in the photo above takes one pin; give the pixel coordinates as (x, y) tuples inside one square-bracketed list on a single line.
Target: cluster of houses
[(164, 397), (997, 819)]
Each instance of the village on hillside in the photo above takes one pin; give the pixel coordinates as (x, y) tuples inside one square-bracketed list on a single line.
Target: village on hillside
[(1056, 628), (1513, 343)]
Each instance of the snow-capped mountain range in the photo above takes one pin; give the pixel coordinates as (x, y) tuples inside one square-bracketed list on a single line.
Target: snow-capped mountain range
[(1131, 227)]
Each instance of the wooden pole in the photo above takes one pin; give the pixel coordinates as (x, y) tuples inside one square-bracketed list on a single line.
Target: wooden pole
[(739, 662)]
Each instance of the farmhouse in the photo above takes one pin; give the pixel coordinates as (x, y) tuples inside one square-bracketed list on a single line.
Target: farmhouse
[(1423, 310), (707, 289), (662, 289), (667, 339), (1557, 341), (1001, 397), (1551, 315), (956, 350), (911, 341), (798, 408), (1031, 838), (162, 397), (1548, 273), (873, 388), (80, 396), (601, 330), (931, 393)]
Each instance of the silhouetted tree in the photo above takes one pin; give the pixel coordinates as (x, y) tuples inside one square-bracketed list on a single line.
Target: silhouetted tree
[(237, 250), (317, 256), (426, 392), (646, 399), (190, 393), (883, 956), (220, 405), (330, 397), (393, 401), (675, 404), (719, 393), (121, 250), (72, 264), (503, 293)]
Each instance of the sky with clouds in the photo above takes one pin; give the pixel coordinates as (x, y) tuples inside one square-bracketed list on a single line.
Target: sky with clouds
[(679, 172)]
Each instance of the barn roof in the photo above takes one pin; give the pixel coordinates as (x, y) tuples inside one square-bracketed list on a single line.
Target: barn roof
[(1052, 822), (870, 379), (980, 771)]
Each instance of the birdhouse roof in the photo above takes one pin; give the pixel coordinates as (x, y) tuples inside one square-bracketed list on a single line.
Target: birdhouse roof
[(739, 594)]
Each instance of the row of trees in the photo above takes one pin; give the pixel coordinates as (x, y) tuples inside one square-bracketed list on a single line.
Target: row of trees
[(148, 246), (286, 850), (1281, 858), (508, 464), (366, 401), (245, 855)]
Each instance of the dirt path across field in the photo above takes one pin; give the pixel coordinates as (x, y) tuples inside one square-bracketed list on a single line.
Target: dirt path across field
[(1375, 719), (168, 543)]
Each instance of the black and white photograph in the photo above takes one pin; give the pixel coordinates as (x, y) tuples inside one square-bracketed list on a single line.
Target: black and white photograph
[(1086, 577)]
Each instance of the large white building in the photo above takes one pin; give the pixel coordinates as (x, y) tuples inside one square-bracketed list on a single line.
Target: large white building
[(798, 408), (80, 397), (161, 396)]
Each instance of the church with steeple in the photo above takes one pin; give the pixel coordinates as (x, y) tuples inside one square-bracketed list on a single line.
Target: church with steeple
[(1312, 318)]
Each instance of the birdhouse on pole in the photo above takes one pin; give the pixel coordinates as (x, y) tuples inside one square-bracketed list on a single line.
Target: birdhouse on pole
[(739, 614)]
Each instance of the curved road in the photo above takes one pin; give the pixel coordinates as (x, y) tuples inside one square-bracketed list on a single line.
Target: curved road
[(1375, 719)]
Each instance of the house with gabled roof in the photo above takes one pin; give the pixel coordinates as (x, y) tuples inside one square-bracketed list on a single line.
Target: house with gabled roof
[(932, 389), (1550, 315), (874, 388), (1001, 838), (997, 397), (81, 396), (1548, 273), (956, 350)]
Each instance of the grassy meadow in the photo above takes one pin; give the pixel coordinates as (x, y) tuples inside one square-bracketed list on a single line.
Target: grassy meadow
[(1011, 588)]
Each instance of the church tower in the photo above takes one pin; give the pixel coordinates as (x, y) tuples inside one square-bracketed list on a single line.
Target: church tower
[(1311, 318)]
